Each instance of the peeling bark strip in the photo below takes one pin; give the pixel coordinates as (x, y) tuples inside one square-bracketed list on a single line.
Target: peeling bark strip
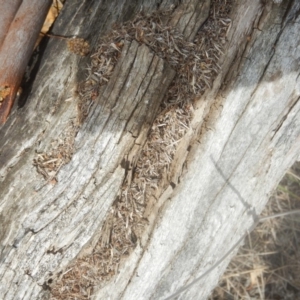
[(17, 40)]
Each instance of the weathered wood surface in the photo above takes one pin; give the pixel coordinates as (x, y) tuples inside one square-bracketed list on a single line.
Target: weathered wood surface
[(39, 220), (250, 139), (236, 157)]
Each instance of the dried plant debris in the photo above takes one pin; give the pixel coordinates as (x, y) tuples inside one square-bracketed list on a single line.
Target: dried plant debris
[(78, 46), (4, 92), (268, 265), (48, 163), (196, 64)]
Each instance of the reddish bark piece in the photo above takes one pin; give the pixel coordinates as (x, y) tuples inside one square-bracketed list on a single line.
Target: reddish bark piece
[(8, 11), (21, 22)]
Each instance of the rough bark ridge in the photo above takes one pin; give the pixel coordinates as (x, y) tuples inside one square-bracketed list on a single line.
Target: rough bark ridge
[(250, 137)]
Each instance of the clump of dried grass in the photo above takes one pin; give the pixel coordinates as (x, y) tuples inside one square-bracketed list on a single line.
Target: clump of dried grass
[(268, 265), (78, 46), (196, 64)]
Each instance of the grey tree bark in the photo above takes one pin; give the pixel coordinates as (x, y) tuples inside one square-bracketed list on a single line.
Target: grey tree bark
[(243, 136)]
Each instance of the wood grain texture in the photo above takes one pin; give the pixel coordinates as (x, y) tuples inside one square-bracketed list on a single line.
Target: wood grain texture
[(241, 141), (250, 139), (70, 212), (39, 220), (189, 16)]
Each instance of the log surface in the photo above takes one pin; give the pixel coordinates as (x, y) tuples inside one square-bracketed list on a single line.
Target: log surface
[(250, 138), (241, 141)]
